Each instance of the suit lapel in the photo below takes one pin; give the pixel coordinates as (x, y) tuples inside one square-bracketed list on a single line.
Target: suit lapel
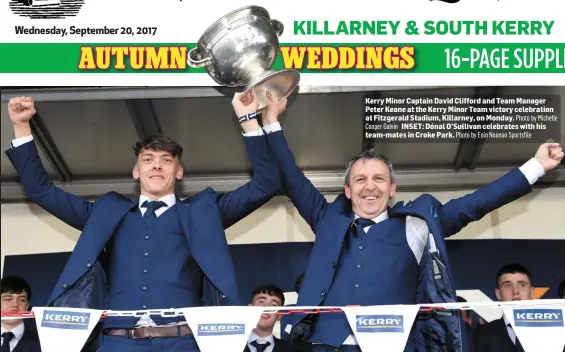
[(342, 226), (100, 227), (183, 209), (115, 219), (22, 346), (328, 247), (203, 229), (505, 340), (282, 346), (25, 345), (104, 223)]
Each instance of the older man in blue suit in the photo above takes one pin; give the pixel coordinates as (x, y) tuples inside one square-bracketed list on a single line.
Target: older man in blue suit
[(153, 252), (367, 253)]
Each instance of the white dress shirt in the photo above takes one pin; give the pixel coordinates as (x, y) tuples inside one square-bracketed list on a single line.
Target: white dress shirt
[(170, 200), (18, 332), (511, 332), (254, 337)]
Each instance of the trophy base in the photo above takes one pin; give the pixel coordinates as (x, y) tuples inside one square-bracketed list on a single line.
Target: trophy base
[(280, 83)]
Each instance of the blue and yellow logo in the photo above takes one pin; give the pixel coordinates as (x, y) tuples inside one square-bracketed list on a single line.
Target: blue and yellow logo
[(65, 320), (380, 323), (539, 318), (220, 329)]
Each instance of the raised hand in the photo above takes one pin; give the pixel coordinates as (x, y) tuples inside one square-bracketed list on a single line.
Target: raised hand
[(244, 104), (273, 110), (21, 110), (549, 155)]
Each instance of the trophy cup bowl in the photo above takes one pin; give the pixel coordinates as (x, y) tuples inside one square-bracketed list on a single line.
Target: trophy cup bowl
[(240, 48)]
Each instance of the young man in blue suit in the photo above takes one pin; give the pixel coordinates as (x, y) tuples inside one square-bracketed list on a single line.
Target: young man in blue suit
[(367, 253), (153, 252)]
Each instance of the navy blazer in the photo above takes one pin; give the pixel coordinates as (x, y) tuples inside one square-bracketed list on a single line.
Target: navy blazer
[(330, 222), (203, 216), (28, 343), (493, 337)]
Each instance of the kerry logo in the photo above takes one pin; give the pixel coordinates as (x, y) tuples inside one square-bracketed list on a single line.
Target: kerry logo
[(46, 9)]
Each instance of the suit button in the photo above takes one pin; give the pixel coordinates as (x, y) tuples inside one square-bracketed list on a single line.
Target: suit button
[(358, 266), (145, 271), (88, 265), (334, 264), (356, 285), (323, 293), (146, 254), (144, 288), (65, 286), (146, 237), (144, 306), (360, 247)]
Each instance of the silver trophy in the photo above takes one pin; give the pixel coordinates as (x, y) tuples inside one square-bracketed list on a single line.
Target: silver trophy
[(239, 49)]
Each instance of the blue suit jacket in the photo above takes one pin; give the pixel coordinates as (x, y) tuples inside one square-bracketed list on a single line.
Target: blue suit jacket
[(330, 222), (203, 216)]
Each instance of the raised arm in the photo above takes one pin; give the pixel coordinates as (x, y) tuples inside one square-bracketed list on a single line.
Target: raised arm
[(37, 184), (265, 184), (457, 213), (309, 202)]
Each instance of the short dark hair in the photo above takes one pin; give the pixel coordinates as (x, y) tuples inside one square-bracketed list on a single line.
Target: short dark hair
[(271, 290), (160, 143), (298, 283), (561, 289), (369, 154), (15, 285), (513, 268)]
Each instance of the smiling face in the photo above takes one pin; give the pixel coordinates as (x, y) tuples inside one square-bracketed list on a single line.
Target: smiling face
[(157, 172), (157, 166), (369, 187)]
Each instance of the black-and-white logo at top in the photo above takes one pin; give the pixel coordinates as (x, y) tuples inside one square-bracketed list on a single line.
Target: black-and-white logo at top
[(46, 9)]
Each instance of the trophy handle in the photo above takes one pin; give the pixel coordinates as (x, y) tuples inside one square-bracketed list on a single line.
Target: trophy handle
[(278, 27), (196, 63)]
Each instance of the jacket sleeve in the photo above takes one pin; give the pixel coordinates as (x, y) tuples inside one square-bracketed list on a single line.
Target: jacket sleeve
[(38, 186), (309, 202), (457, 213), (264, 185)]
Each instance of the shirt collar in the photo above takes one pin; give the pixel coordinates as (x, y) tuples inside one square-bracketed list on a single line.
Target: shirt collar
[(254, 337), (506, 321), (18, 331), (382, 217), (169, 199)]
